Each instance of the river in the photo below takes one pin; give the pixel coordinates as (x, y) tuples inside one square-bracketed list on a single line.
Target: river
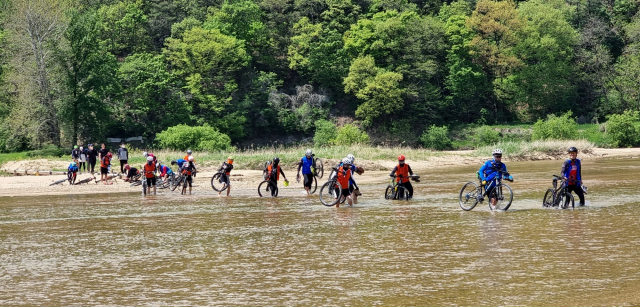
[(168, 250)]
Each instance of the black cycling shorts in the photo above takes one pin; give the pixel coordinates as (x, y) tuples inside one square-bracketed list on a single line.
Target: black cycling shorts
[(104, 170), (189, 180), (151, 181), (308, 180), (346, 192)]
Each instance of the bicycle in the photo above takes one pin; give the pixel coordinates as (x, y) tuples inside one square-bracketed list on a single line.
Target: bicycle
[(471, 193), (266, 187), (396, 191), (558, 196), (317, 168), (220, 181), (331, 191), (177, 181)]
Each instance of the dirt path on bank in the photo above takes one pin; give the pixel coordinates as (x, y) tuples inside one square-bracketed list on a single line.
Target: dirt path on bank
[(245, 182)]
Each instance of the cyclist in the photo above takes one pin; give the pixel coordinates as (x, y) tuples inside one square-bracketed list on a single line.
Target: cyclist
[(489, 171), (165, 172), (149, 174), (154, 159), (180, 163), (226, 167), (188, 169), (344, 174), (72, 172), (305, 164), (131, 172), (274, 172), (572, 171), (402, 172), (189, 154), (105, 162)]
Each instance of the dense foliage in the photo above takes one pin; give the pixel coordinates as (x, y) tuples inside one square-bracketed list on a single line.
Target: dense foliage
[(395, 70)]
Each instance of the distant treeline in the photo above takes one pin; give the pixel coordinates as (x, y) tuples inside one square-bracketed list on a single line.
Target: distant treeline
[(85, 70)]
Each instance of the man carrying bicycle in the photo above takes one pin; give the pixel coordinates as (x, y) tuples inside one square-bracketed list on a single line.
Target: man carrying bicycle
[(274, 172), (402, 172), (226, 168), (188, 169), (572, 172), (305, 164), (353, 187), (344, 174), (489, 171)]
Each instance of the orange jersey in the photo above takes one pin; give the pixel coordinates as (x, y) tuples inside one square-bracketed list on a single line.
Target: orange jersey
[(186, 158), (278, 171), (402, 170), (148, 170), (105, 162), (343, 177)]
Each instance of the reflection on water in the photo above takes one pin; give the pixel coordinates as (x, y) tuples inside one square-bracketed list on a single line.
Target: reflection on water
[(169, 250)]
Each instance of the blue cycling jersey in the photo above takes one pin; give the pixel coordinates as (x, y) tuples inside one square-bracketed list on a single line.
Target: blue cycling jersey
[(489, 170), (306, 165)]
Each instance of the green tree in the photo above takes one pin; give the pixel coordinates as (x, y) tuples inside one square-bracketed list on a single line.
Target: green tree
[(209, 62), (123, 27), (242, 20), (89, 79)]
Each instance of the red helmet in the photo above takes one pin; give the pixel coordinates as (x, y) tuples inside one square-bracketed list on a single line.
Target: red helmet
[(401, 158)]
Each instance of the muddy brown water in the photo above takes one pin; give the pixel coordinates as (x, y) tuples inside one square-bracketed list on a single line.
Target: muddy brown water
[(168, 250)]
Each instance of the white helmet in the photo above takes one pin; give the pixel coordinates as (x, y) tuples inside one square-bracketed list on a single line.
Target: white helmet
[(346, 161), (146, 154), (186, 164), (157, 164), (497, 151), (308, 153), (149, 158), (190, 158), (351, 157)]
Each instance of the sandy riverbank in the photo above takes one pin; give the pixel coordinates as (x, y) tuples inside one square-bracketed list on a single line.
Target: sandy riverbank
[(244, 182)]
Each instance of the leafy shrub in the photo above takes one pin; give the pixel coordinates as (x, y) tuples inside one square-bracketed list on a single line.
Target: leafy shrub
[(49, 151), (436, 138), (622, 129), (485, 135), (326, 133), (556, 128), (350, 134), (183, 137)]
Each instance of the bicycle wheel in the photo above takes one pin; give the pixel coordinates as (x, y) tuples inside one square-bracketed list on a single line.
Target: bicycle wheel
[(565, 200), (314, 185), (184, 186), (319, 166), (144, 187), (176, 182), (59, 181), (330, 193), (219, 183), (469, 196), (403, 194), (504, 196), (388, 193), (136, 183), (267, 188), (548, 199)]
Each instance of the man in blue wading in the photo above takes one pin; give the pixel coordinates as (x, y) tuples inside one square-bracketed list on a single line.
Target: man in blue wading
[(489, 171)]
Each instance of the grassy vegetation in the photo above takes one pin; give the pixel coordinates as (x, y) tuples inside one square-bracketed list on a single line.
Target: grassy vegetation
[(521, 149), (14, 156)]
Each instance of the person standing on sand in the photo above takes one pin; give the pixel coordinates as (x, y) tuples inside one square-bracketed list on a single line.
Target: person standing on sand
[(92, 155), (75, 154), (103, 152), (83, 159), (105, 162), (123, 156)]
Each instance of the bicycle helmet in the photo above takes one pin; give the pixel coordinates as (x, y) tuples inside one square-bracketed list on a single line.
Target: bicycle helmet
[(346, 161), (401, 158), (149, 159), (572, 149), (189, 152), (497, 152), (308, 153), (351, 157), (276, 160), (158, 165), (75, 146), (73, 164), (190, 158), (173, 162), (146, 154), (127, 167), (230, 160)]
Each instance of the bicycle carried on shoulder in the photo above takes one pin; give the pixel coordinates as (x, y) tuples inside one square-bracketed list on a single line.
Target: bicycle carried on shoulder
[(331, 191), (220, 181), (471, 193), (396, 191), (559, 195)]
